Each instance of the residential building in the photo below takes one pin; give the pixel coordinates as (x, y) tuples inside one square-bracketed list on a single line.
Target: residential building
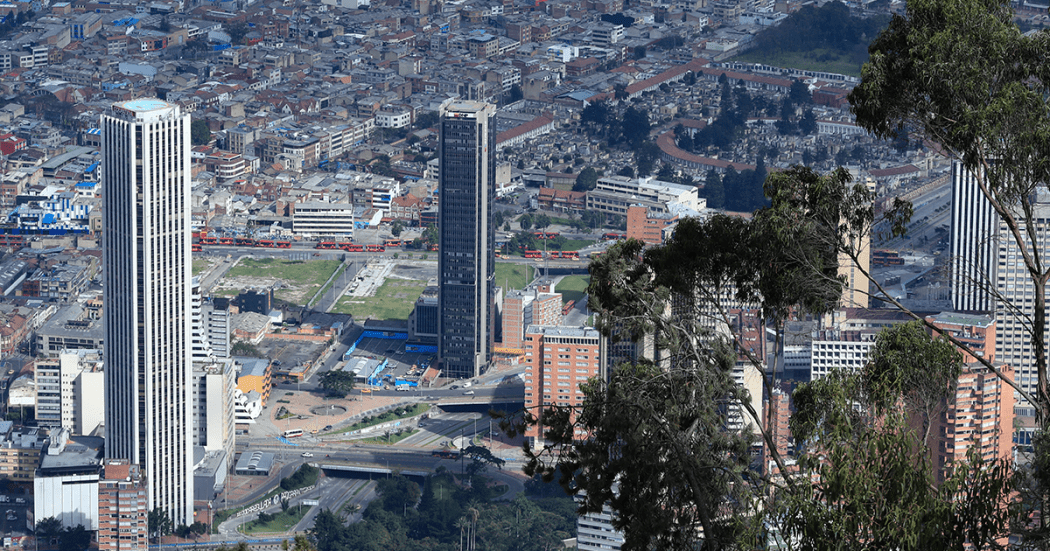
[(466, 263), (20, 452), (979, 416), (527, 307), (56, 383), (123, 507), (147, 290), (559, 360)]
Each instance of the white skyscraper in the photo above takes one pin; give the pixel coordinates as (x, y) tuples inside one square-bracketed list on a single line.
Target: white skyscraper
[(147, 295), (974, 227)]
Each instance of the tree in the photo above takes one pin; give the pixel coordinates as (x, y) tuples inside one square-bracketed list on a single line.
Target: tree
[(199, 133), (337, 383), (639, 52), (245, 348), (962, 75), (427, 119), (396, 228), (237, 30), (658, 435), (430, 234), (158, 523), (48, 529), (586, 180)]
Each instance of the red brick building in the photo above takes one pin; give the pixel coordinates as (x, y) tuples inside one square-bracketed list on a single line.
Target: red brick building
[(122, 523), (648, 227), (559, 360)]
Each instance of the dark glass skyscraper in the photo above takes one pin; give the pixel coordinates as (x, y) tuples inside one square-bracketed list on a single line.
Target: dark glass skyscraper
[(467, 259)]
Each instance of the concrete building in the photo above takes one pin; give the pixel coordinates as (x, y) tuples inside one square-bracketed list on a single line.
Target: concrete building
[(123, 508), (20, 452), (423, 321), (979, 416), (467, 259), (559, 360), (66, 483), (323, 219), (651, 227), (147, 290), (56, 383), (529, 306), (214, 386), (973, 244)]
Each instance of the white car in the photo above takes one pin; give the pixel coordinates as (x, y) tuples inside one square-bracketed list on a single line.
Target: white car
[(469, 393), (307, 454)]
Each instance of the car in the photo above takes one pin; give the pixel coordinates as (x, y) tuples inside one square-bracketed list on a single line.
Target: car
[(366, 391), (453, 387), (307, 454), (328, 427), (469, 393)]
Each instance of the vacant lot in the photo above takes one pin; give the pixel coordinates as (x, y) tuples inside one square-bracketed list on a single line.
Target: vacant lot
[(299, 279), (572, 287), (513, 276), (394, 300)]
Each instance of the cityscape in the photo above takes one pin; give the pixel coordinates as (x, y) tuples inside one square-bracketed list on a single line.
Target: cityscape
[(516, 274)]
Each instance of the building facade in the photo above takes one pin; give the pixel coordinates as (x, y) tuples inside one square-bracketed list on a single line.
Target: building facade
[(122, 513), (147, 290), (467, 260), (974, 228), (559, 360)]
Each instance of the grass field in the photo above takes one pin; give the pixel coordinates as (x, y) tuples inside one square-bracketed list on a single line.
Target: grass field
[(572, 287), (199, 265), (576, 244), (393, 301), (513, 276), (303, 277), (805, 61), (283, 522)]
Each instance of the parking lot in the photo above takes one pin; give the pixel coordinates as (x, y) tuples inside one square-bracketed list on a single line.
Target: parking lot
[(400, 363)]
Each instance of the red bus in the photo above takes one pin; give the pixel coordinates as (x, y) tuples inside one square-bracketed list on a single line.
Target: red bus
[(352, 247), (568, 307), (609, 236), (197, 248), (284, 244), (327, 245), (269, 243), (226, 241), (209, 241), (375, 248), (433, 247), (533, 254), (392, 243), (245, 242), (571, 255)]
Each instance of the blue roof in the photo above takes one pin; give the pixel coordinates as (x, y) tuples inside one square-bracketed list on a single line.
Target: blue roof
[(49, 218)]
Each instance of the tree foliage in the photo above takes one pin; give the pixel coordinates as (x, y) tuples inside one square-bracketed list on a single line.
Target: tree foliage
[(337, 383), (199, 132), (586, 180)]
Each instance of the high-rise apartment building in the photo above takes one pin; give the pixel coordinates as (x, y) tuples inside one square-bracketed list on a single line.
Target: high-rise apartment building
[(147, 293), (122, 524), (529, 306), (974, 227), (466, 286), (559, 360)]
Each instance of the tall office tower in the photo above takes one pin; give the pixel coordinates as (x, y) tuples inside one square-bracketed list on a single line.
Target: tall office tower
[(466, 281), (974, 227), (146, 262), (1015, 306)]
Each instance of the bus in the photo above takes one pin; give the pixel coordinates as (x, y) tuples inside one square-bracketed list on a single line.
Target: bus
[(375, 248), (533, 254), (197, 248), (292, 433), (244, 242), (446, 454), (327, 245), (226, 241), (392, 243)]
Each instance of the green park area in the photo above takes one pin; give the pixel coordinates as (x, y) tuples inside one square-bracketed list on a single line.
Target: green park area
[(572, 287), (510, 275), (394, 300), (281, 521), (301, 278)]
